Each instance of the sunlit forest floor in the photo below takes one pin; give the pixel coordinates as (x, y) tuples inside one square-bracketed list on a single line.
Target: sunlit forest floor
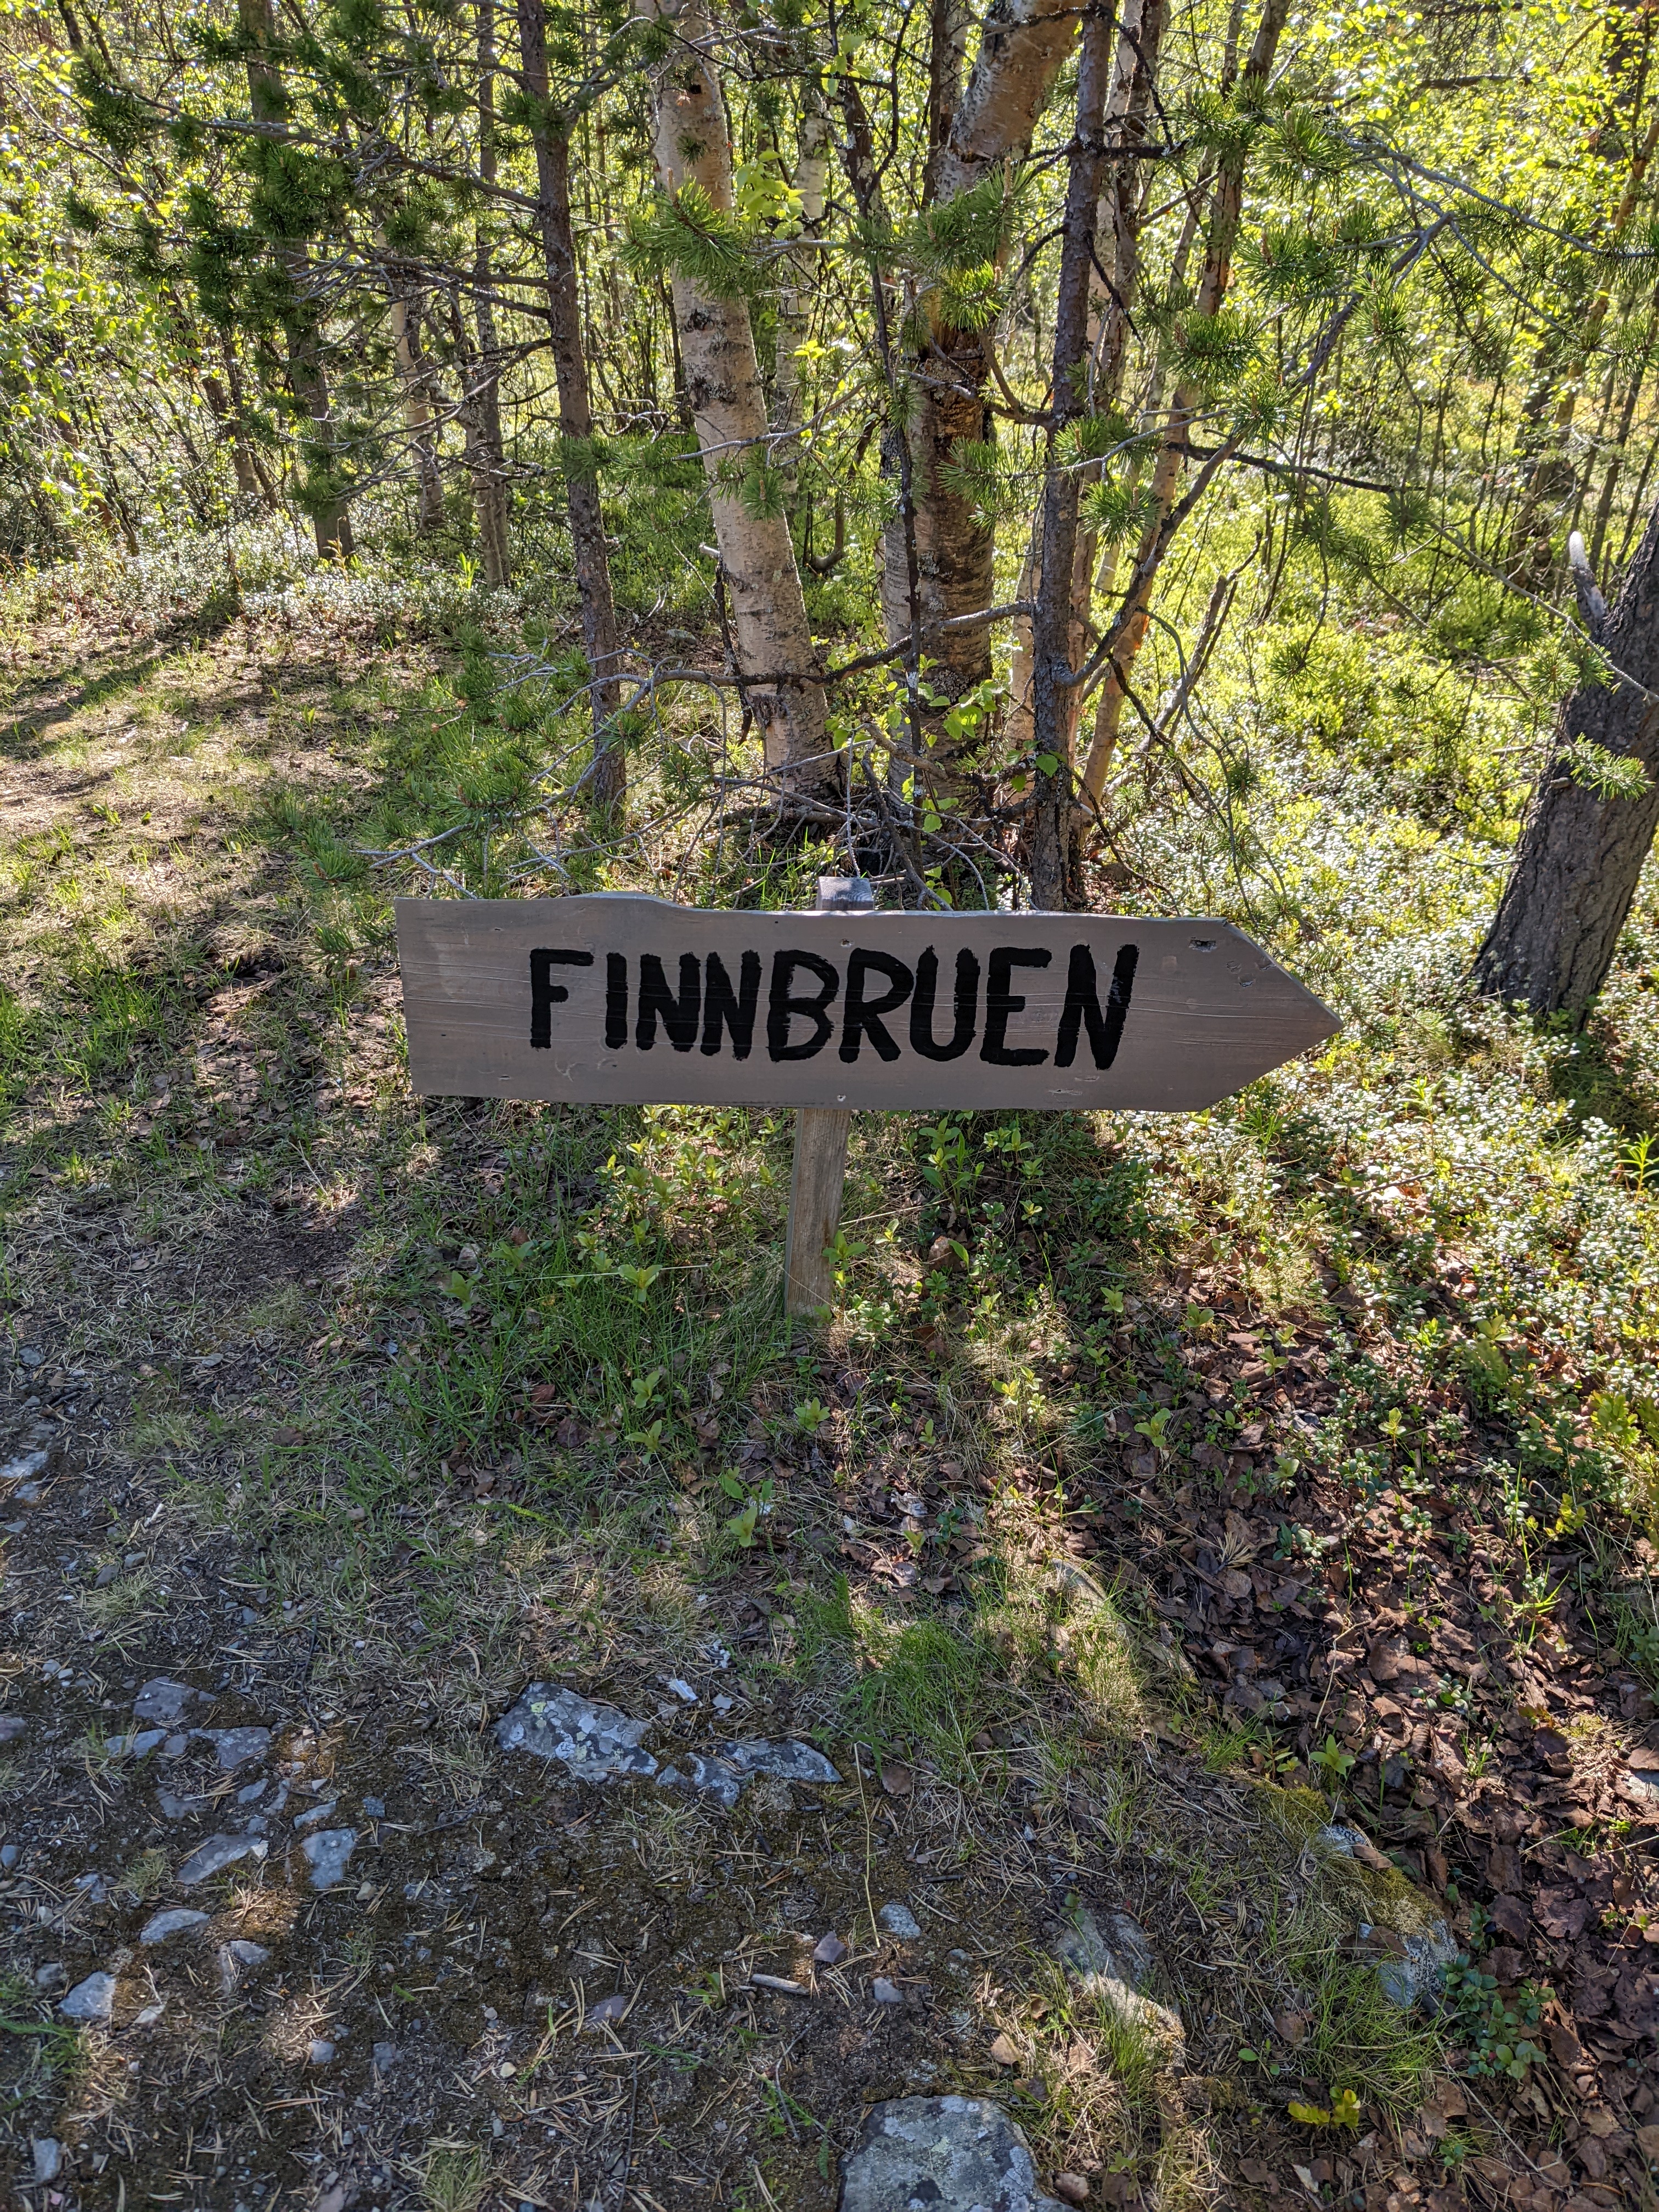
[(1240, 1523)]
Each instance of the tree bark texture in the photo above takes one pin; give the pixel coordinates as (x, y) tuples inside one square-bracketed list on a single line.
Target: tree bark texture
[(1022, 46), (1580, 857), (491, 497), (1055, 633), (581, 479), (417, 416), (772, 637)]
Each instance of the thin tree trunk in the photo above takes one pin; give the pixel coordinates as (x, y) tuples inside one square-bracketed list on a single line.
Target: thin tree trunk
[(772, 638), (418, 416), (224, 418), (1620, 451), (1055, 634), (331, 516), (490, 485), (581, 476), (1224, 209), (1580, 856), (798, 274), (1111, 309)]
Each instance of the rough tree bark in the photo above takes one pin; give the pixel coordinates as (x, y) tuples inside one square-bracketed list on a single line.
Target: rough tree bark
[(417, 415), (1225, 205), (1054, 631), (331, 519), (771, 636), (1022, 46), (1580, 857), (581, 479)]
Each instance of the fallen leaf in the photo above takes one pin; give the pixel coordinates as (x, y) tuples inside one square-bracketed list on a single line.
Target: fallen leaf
[(1004, 2052), (1561, 1912), (897, 1778), (1510, 1913), (1071, 2188)]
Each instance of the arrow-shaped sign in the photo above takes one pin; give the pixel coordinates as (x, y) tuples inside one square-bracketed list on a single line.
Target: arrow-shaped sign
[(614, 998)]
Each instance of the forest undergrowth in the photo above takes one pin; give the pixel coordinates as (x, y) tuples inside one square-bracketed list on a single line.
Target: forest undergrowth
[(1245, 1520)]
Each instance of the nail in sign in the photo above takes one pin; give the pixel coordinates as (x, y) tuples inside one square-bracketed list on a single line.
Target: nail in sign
[(611, 999)]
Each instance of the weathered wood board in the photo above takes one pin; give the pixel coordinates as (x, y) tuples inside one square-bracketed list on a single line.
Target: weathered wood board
[(615, 998)]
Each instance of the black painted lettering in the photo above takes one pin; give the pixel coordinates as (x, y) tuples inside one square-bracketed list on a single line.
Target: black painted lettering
[(926, 992), (680, 1015), (616, 1001), (781, 1005), (545, 994), (1083, 1005), (721, 1004), (862, 1016), (1001, 1005)]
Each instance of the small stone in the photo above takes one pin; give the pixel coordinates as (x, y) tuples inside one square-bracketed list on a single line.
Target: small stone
[(52, 1976), (830, 1950), (886, 1992), (1115, 1961), (385, 2056), (607, 2011), (48, 2155), (237, 1960), (899, 1920), (783, 1762), (175, 1808), (234, 1747), (217, 1854), (174, 1746), (31, 1356), (9, 1855), (254, 1791), (174, 1921), (106, 1574), (1415, 1978), (93, 1887), (950, 2154), (328, 1852), (161, 1700), (92, 1999), (682, 1691), (319, 2051), (595, 1742), (317, 1812), (375, 1809), (1071, 2188), (25, 1467)]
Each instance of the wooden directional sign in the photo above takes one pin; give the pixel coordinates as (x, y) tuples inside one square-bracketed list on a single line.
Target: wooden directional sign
[(615, 998)]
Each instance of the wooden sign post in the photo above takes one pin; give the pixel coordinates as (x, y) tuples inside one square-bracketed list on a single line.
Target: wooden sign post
[(615, 998)]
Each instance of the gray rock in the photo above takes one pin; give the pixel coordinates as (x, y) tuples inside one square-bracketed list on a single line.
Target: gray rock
[(317, 1812), (1348, 1843), (174, 1921), (709, 1777), (25, 1467), (1115, 1963), (943, 2154), (254, 1791), (52, 1976), (374, 1809), (9, 1855), (92, 1999), (607, 2010), (47, 2154), (830, 1950), (899, 1920), (1641, 1789), (233, 1748), (385, 2056), (12, 1725), (108, 1573), (31, 1356), (93, 1887), (237, 1960), (161, 1700), (175, 1808), (328, 1852), (783, 1762), (138, 1745), (886, 1992), (596, 1742), (320, 2052), (1417, 1977), (174, 1746), (217, 1854)]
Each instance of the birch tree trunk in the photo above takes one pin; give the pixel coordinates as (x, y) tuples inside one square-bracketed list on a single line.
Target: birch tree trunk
[(581, 479), (1580, 856), (772, 637), (1225, 204)]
